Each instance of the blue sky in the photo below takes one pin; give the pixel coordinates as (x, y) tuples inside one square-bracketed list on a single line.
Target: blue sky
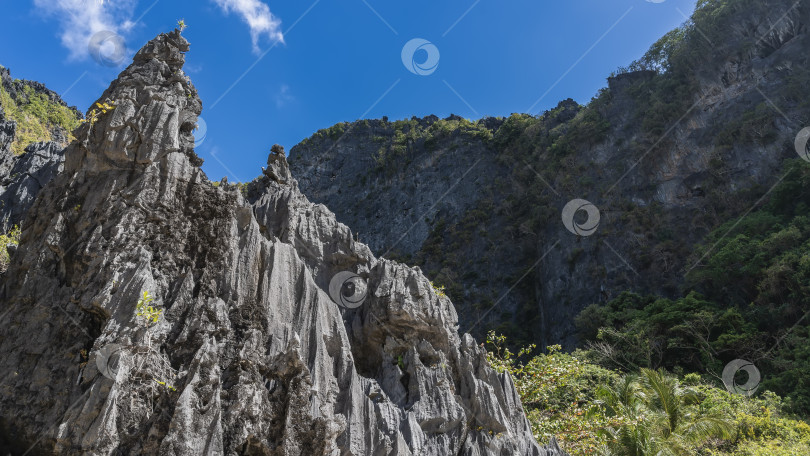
[(277, 71)]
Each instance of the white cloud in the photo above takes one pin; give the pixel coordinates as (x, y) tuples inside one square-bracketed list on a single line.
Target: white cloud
[(192, 69), (258, 17), (283, 96), (81, 19)]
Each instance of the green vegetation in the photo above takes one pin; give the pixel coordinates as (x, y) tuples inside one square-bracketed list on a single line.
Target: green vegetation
[(397, 142), (10, 238), (36, 116), (716, 33), (146, 312), (755, 126), (95, 113), (747, 297), (334, 132), (415, 134), (439, 290), (592, 410), (151, 371)]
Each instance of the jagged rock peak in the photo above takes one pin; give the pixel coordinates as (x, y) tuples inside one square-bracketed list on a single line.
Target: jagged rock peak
[(169, 48), (149, 112), (277, 167), (249, 352)]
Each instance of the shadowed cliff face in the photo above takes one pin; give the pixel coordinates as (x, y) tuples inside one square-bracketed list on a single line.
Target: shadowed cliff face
[(248, 353), (665, 156), (22, 176)]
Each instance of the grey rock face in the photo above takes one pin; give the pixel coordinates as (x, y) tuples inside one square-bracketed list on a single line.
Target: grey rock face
[(250, 355), (393, 210), (27, 175)]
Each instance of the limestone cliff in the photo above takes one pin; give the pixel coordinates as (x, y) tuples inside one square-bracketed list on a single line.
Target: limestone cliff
[(247, 353), (666, 154)]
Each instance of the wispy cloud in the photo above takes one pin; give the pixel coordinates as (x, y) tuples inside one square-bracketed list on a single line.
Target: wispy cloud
[(283, 96), (79, 20), (192, 69), (258, 17)]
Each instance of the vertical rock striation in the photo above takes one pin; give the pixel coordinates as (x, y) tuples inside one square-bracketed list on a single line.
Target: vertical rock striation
[(250, 355)]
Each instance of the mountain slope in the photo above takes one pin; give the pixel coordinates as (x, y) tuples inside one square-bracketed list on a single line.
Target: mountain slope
[(147, 311), (689, 137)]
